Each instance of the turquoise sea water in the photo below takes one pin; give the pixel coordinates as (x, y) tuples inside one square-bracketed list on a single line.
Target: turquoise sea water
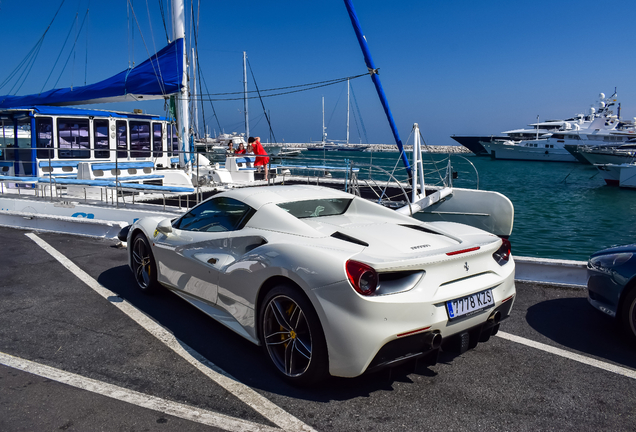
[(562, 210)]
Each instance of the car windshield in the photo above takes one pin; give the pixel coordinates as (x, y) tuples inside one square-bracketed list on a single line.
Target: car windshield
[(217, 214), (317, 207)]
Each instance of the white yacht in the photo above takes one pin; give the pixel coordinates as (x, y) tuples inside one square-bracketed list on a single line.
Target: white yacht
[(532, 144), (623, 175), (534, 131), (597, 128), (601, 155)]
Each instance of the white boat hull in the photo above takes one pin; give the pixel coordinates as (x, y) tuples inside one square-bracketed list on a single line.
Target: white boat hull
[(599, 158), (628, 176), (623, 175), (73, 217), (498, 150)]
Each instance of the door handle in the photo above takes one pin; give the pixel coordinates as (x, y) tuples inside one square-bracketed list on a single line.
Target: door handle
[(212, 261)]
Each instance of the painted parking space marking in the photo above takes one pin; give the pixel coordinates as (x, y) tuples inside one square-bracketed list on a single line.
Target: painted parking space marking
[(164, 406), (570, 355), (247, 395)]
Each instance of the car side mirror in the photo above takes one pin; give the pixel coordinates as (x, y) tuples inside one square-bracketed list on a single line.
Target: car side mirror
[(165, 226)]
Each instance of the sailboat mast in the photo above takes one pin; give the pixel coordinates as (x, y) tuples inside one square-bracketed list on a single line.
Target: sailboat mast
[(247, 117), (348, 111), (376, 81), (324, 131), (195, 120), (183, 118)]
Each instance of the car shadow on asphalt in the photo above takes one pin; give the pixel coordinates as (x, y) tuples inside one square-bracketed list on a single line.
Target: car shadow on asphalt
[(574, 324), (237, 356)]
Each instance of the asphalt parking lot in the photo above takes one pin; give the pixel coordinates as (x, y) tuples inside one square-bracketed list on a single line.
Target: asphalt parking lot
[(73, 358)]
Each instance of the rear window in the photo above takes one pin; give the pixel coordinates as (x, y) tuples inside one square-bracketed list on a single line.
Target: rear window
[(317, 208)]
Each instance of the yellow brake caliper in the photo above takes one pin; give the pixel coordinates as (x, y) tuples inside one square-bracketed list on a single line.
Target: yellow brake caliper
[(292, 333)]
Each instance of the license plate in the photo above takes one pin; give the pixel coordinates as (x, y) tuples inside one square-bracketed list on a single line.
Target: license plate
[(468, 304)]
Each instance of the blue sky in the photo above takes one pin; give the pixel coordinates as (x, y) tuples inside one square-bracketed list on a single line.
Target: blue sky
[(454, 67)]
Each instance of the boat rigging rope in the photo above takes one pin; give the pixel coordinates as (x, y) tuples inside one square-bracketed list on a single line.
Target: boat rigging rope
[(155, 65), (29, 58), (310, 86), (211, 104), (60, 54), (364, 129), (131, 36), (163, 20), (262, 104), (195, 60), (72, 51), (430, 154), (86, 58)]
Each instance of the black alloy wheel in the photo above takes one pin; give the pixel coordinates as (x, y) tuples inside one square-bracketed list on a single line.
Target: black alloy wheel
[(292, 336), (143, 262)]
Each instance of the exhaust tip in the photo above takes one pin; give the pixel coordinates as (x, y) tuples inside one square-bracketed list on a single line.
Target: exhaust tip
[(433, 340), (495, 317)]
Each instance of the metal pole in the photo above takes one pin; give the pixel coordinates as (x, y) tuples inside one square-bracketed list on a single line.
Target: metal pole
[(247, 117), (347, 112), (416, 150)]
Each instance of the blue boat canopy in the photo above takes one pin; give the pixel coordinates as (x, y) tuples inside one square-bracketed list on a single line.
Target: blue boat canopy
[(156, 78)]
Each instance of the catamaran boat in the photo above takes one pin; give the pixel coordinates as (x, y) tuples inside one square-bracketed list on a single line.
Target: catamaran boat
[(85, 171)]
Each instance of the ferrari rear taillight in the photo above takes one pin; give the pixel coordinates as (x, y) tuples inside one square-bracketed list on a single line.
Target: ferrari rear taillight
[(363, 277), (502, 256)]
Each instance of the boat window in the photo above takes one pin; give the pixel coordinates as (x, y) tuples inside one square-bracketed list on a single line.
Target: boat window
[(157, 140), (122, 139), (72, 138), (317, 208), (216, 215), (25, 150), (44, 132), (100, 138), (174, 138), (139, 139), (4, 141), (6, 138)]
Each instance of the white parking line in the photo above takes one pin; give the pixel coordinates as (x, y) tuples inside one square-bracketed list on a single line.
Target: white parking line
[(135, 398), (260, 404), (569, 355)]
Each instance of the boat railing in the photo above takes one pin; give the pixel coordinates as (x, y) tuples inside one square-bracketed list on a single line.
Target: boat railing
[(127, 177)]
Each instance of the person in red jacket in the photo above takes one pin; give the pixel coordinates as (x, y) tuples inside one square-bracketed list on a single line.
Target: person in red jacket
[(261, 155)]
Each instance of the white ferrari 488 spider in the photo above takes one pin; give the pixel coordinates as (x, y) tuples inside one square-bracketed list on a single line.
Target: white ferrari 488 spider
[(326, 282)]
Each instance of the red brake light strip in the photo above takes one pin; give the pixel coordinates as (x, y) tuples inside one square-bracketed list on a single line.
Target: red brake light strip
[(414, 331), (463, 251)]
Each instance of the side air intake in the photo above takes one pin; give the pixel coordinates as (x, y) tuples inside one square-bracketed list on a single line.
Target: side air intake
[(341, 236)]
